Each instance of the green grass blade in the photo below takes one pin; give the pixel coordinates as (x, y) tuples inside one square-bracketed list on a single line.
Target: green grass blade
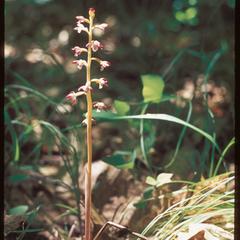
[(16, 148), (180, 137), (232, 142), (157, 116)]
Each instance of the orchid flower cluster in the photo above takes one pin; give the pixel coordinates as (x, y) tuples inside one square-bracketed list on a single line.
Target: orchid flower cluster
[(91, 47)]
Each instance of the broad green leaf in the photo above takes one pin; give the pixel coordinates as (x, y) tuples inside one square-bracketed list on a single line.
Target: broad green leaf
[(121, 107), (151, 181), (121, 159), (163, 178), (153, 86), (19, 210)]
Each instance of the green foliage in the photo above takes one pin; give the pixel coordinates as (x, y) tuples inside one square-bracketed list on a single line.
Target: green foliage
[(121, 159), (18, 178), (164, 117), (19, 210), (153, 86), (158, 182), (121, 107)]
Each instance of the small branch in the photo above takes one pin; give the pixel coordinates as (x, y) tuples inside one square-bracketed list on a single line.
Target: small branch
[(122, 228)]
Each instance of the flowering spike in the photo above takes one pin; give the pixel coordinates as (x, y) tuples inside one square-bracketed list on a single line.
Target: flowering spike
[(91, 47)]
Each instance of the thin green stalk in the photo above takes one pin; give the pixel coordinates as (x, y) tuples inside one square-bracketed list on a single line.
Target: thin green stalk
[(223, 155), (144, 109), (180, 137)]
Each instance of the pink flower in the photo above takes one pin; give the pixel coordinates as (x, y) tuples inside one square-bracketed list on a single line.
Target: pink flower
[(101, 26), (80, 63), (72, 97), (95, 45), (101, 82), (85, 88), (81, 19), (100, 106), (77, 51), (104, 64), (80, 27)]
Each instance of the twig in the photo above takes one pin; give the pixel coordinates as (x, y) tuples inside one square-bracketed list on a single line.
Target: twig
[(126, 230)]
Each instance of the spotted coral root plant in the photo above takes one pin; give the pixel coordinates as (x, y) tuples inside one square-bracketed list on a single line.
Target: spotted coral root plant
[(87, 25)]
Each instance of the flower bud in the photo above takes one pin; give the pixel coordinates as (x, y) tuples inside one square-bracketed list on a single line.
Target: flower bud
[(91, 12)]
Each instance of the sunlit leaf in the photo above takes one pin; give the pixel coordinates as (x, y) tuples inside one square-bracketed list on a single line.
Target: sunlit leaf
[(151, 181), (163, 178), (153, 86)]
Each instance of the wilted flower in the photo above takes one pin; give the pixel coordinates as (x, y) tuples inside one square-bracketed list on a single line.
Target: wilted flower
[(80, 27), (95, 45), (72, 97), (77, 50), (80, 63), (104, 64), (101, 82), (101, 26), (100, 106), (85, 88)]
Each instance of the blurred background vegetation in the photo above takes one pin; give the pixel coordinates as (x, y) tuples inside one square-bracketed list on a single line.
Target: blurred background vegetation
[(190, 43)]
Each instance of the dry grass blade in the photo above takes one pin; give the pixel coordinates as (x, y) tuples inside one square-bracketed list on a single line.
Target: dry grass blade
[(210, 208)]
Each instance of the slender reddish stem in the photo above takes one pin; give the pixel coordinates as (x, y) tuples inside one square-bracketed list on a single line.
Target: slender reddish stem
[(88, 172)]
